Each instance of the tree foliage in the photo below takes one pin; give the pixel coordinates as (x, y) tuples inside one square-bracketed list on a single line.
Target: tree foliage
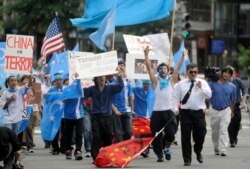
[(34, 16), (244, 58)]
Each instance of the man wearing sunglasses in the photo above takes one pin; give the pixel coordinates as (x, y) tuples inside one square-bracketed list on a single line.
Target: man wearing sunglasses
[(191, 94)]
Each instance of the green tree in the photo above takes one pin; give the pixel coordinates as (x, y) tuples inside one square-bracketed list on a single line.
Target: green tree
[(34, 16), (244, 58)]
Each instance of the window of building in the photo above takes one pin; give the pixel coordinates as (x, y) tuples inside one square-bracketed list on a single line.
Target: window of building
[(200, 11)]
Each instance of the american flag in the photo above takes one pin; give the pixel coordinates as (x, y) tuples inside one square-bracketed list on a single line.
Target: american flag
[(53, 40)]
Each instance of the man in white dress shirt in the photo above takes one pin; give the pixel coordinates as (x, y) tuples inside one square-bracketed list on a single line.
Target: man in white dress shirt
[(191, 93)]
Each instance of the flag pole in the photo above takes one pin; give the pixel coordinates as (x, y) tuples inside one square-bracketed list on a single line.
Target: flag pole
[(172, 33), (113, 41), (57, 16)]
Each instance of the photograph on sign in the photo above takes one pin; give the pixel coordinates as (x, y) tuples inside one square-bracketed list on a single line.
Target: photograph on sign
[(140, 66), (136, 66)]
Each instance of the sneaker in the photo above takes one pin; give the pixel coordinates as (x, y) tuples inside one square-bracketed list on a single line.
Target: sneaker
[(30, 150), (216, 152), (168, 154), (160, 159), (24, 147), (55, 152), (78, 155), (232, 145), (223, 154), (88, 155), (68, 154), (17, 166)]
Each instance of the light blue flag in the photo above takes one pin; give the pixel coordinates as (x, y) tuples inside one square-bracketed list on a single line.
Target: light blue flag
[(177, 57), (1, 117), (77, 48), (74, 90), (52, 115), (60, 64), (128, 12), (2, 52), (107, 27), (151, 100)]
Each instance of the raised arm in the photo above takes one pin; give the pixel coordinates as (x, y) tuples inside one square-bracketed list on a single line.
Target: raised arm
[(177, 69), (152, 76)]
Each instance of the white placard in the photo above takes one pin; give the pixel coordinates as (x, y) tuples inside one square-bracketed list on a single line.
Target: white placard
[(136, 66), (136, 44), (158, 43), (92, 65), (19, 54)]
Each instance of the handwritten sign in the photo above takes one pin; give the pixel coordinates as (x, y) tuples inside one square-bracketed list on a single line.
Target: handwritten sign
[(19, 53), (92, 65)]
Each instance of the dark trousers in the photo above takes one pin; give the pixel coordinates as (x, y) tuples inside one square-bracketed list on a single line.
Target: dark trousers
[(55, 144), (158, 120), (70, 126), (102, 133), (192, 122), (122, 126), (234, 126)]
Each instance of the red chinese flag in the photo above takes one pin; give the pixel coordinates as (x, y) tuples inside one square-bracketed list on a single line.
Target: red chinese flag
[(120, 154), (141, 126)]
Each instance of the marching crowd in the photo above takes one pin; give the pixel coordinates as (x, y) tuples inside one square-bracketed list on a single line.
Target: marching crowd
[(104, 115)]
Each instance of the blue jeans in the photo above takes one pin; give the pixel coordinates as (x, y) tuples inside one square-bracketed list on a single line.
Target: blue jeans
[(13, 126), (87, 130)]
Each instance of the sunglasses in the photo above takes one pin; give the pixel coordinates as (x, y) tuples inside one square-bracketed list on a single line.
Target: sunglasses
[(193, 72)]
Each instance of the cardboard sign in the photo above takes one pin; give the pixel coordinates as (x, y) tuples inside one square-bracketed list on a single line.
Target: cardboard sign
[(92, 65), (35, 94), (19, 54), (158, 43), (136, 66)]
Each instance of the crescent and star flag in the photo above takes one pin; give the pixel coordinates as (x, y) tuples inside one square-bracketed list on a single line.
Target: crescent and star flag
[(54, 107), (140, 126), (53, 40), (128, 12)]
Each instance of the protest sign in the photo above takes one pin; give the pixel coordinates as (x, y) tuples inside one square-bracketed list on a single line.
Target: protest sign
[(158, 43), (92, 65), (136, 66), (19, 53)]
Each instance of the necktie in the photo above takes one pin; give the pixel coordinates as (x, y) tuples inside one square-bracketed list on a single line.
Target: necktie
[(185, 98)]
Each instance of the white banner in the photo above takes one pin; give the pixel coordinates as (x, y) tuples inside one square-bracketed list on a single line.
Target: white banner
[(19, 54), (92, 65), (158, 43), (136, 66)]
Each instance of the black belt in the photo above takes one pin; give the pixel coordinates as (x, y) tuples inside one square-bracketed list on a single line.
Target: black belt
[(220, 109)]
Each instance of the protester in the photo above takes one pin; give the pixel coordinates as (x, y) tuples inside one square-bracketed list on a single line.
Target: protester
[(10, 146), (234, 126), (44, 88), (192, 92), (163, 106), (222, 101), (73, 121), (123, 109), (58, 81), (87, 126), (12, 103), (101, 118)]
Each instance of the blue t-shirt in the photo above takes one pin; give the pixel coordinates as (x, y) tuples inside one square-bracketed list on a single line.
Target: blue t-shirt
[(222, 94), (140, 101), (120, 100)]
